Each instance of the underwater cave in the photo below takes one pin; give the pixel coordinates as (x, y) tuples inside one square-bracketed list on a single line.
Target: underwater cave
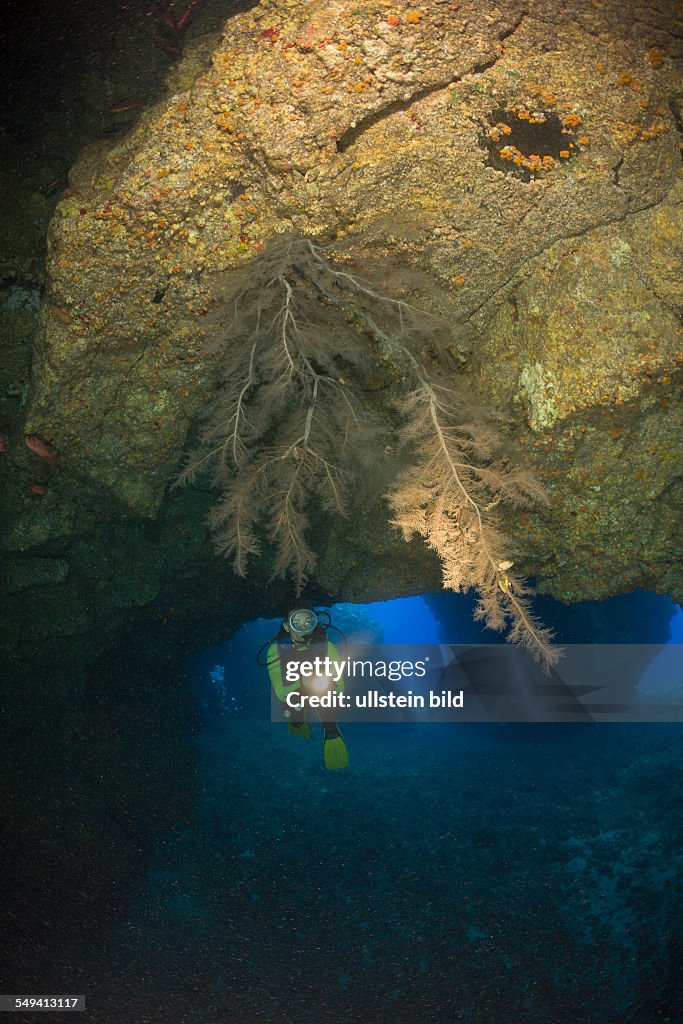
[(340, 509)]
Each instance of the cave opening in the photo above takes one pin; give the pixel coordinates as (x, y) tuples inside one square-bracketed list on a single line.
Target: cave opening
[(229, 683)]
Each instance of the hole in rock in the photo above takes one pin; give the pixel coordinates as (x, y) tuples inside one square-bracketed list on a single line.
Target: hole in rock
[(528, 143)]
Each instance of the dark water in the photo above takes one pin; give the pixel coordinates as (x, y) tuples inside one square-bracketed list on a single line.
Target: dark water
[(484, 874), (452, 873)]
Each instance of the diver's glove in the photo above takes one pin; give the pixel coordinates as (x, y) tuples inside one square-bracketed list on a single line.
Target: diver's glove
[(300, 729)]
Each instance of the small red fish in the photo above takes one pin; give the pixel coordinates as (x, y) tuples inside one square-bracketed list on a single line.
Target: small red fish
[(3, 444), (119, 108), (36, 489), (40, 448)]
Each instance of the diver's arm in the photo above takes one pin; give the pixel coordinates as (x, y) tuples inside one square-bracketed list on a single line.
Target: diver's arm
[(334, 655), (281, 687)]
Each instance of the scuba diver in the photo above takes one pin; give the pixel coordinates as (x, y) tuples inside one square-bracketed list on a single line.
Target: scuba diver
[(303, 636)]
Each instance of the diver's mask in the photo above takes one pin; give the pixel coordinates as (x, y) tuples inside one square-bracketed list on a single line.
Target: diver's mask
[(300, 623)]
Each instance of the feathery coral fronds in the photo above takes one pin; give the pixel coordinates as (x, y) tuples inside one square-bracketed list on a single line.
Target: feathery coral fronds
[(447, 497), (283, 427), (286, 430)]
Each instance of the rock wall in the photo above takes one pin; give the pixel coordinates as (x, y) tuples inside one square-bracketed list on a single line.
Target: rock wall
[(331, 122)]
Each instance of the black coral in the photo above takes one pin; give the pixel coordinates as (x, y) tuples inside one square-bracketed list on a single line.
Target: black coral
[(448, 497), (283, 430)]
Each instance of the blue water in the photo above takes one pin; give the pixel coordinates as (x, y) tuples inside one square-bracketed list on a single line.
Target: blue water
[(445, 617)]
